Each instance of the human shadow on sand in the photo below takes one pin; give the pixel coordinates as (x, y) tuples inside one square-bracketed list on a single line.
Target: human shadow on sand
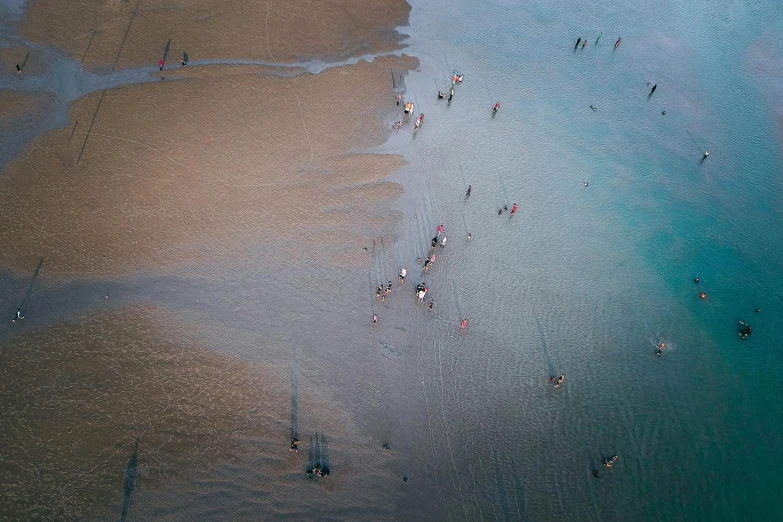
[(130, 481)]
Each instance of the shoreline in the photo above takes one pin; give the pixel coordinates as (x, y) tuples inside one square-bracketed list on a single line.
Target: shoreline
[(225, 173)]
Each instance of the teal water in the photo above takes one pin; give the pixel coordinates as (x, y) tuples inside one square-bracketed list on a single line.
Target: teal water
[(587, 280)]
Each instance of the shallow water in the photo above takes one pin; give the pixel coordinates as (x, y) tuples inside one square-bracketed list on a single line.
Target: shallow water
[(587, 280), (584, 281)]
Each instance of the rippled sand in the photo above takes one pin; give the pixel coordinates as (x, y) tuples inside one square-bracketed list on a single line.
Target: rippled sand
[(182, 170), (268, 31)]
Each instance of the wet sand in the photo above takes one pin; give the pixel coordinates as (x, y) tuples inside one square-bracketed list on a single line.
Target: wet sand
[(14, 104), (191, 169), (76, 396), (277, 31)]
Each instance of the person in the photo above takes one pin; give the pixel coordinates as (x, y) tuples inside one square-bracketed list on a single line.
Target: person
[(746, 331), (560, 380), (696, 280), (608, 462), (514, 209), (594, 108), (584, 42), (469, 236), (599, 37), (295, 444), (403, 273), (660, 349), (374, 318), (706, 154), (663, 113), (496, 108), (418, 260), (505, 208), (432, 258), (442, 95), (703, 295), (430, 305), (160, 64), (758, 310), (653, 89), (617, 43), (577, 43), (463, 324), (19, 315), (587, 183), (389, 287), (552, 379), (440, 229), (421, 117), (460, 77), (454, 78), (500, 211), (422, 293), (397, 126), (426, 264), (378, 291), (434, 241), (18, 69), (399, 99), (417, 124), (467, 194), (324, 472), (451, 93), (408, 110), (443, 242)]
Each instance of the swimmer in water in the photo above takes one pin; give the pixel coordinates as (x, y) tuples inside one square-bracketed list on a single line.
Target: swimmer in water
[(430, 305), (500, 211), (560, 380), (696, 280), (402, 275), (608, 462), (470, 236), (663, 113), (594, 108), (758, 310), (660, 349), (374, 318), (463, 324), (587, 183)]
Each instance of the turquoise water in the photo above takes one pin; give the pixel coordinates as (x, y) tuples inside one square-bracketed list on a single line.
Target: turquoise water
[(587, 280)]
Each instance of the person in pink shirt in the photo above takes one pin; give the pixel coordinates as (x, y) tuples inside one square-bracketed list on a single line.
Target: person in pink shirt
[(160, 64), (514, 209)]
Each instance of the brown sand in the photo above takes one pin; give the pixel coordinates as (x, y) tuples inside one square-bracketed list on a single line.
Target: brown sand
[(13, 104), (219, 162), (76, 396), (276, 30)]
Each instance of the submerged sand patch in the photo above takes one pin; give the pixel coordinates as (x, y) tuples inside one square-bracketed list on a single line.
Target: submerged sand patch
[(281, 31), (219, 161), (13, 104)]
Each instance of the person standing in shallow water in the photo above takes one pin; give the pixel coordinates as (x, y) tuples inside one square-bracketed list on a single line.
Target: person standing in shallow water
[(18, 69), (584, 43), (599, 37), (514, 209), (467, 194), (160, 64)]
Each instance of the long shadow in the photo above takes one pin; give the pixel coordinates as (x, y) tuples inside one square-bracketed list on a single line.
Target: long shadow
[(294, 399), (520, 492), (88, 47), (26, 301), (166, 51), (130, 480), (26, 57), (311, 455), (324, 455), (501, 488)]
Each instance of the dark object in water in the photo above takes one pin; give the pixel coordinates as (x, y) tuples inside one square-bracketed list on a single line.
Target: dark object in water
[(577, 43), (595, 473), (405, 479), (746, 331), (653, 89)]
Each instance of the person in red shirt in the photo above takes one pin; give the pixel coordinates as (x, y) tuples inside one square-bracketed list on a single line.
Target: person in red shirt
[(463, 324), (160, 64), (514, 209)]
